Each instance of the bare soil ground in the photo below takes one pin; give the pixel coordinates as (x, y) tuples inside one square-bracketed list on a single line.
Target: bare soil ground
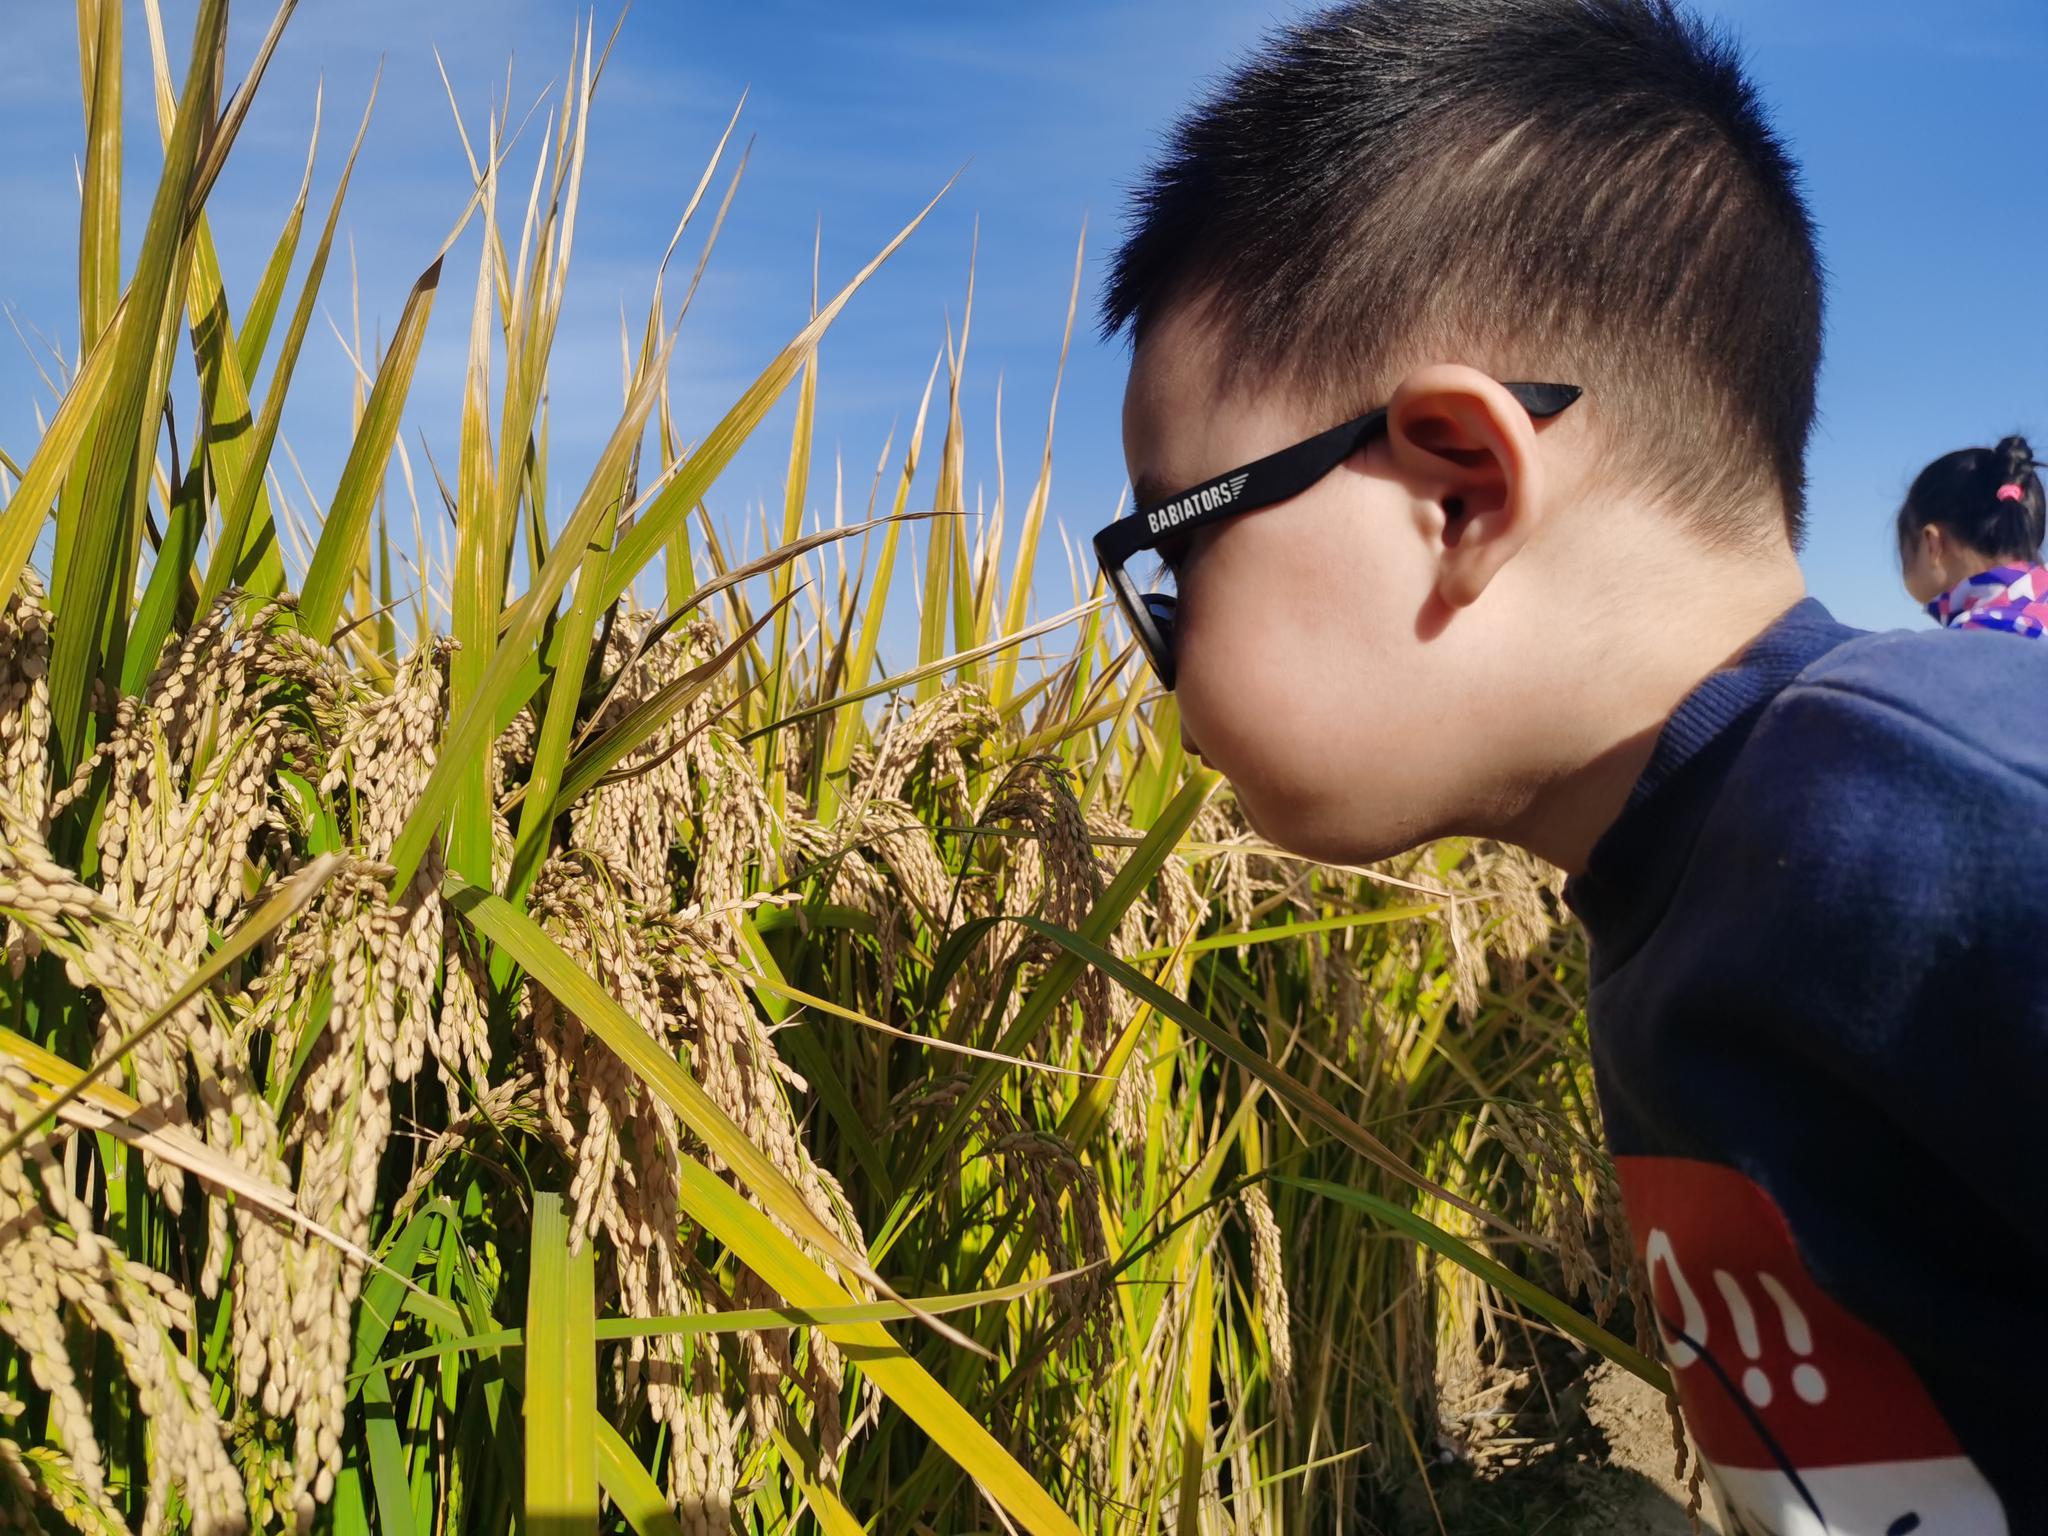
[(1590, 1457), (1634, 1481)]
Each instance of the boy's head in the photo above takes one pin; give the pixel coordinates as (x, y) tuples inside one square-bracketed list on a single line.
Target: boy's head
[(1398, 203)]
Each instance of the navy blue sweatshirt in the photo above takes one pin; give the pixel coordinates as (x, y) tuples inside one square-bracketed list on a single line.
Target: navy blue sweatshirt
[(1819, 1020)]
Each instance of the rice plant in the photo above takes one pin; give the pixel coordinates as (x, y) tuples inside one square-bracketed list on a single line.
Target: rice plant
[(574, 1066)]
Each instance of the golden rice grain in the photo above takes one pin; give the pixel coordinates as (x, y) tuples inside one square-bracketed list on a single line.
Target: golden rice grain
[(1269, 1283), (55, 1265)]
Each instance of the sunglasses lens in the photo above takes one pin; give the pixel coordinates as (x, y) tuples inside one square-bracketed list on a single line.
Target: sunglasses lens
[(1159, 613), (1159, 609), (1150, 615)]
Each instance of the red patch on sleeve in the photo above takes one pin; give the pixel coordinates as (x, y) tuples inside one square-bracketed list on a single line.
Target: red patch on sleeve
[(1756, 1346)]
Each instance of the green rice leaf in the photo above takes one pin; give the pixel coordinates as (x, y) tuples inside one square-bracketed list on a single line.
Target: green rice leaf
[(631, 1487), (694, 1325), (221, 137), (777, 1260), (170, 579), (834, 1518), (517, 668), (1194, 1443), (1256, 1062), (99, 213), (100, 529), (228, 458), (1023, 575), (654, 527), (1060, 977), (537, 807), (1091, 1108), (383, 1297), (1276, 932), (944, 664), (388, 1481), (573, 988), (351, 1518), (479, 578), (759, 1242), (231, 440), (861, 658), (252, 337), (57, 451), (774, 987), (782, 587), (649, 716), (1565, 1318), (240, 534), (344, 534), (561, 1377)]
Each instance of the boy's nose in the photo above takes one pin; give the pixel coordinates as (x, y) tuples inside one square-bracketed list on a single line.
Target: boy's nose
[(1189, 746)]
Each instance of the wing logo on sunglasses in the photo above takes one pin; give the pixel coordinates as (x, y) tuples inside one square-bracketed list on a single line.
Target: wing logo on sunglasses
[(1195, 503)]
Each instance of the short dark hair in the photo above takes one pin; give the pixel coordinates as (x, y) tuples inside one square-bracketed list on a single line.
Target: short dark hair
[(1988, 498), (1581, 189)]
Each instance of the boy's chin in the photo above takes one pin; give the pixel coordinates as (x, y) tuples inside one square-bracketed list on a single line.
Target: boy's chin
[(1314, 833)]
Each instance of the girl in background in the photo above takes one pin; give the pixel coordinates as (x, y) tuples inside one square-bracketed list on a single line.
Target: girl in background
[(1970, 538)]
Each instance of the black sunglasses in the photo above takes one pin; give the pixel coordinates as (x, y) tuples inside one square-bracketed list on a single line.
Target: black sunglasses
[(1277, 477)]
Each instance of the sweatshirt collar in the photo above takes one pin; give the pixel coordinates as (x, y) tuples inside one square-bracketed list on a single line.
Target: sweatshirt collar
[(1629, 876)]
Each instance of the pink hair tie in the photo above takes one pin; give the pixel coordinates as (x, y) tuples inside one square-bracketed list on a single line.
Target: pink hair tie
[(2011, 493)]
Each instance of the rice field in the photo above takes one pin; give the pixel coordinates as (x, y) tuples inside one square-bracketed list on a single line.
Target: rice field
[(476, 1055)]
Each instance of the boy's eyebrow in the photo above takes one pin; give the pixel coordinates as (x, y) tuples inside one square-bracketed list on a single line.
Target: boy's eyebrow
[(1148, 490)]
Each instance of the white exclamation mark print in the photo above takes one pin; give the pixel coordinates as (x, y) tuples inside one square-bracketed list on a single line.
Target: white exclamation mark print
[(1807, 1380), (1681, 1352), (1755, 1384)]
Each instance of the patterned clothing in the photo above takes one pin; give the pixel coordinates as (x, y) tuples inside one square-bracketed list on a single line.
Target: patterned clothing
[(2013, 598)]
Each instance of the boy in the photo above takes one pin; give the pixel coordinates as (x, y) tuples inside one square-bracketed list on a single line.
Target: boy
[(1567, 611)]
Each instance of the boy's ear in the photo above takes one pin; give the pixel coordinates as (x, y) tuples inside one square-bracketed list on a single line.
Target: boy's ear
[(1461, 440)]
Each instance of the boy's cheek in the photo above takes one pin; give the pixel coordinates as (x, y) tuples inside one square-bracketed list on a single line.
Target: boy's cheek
[(1256, 719), (1213, 695), (1314, 753)]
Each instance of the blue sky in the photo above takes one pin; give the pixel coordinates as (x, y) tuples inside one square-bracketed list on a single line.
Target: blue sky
[(1923, 130)]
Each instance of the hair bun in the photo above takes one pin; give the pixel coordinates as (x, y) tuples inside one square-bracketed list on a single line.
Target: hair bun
[(2016, 455)]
